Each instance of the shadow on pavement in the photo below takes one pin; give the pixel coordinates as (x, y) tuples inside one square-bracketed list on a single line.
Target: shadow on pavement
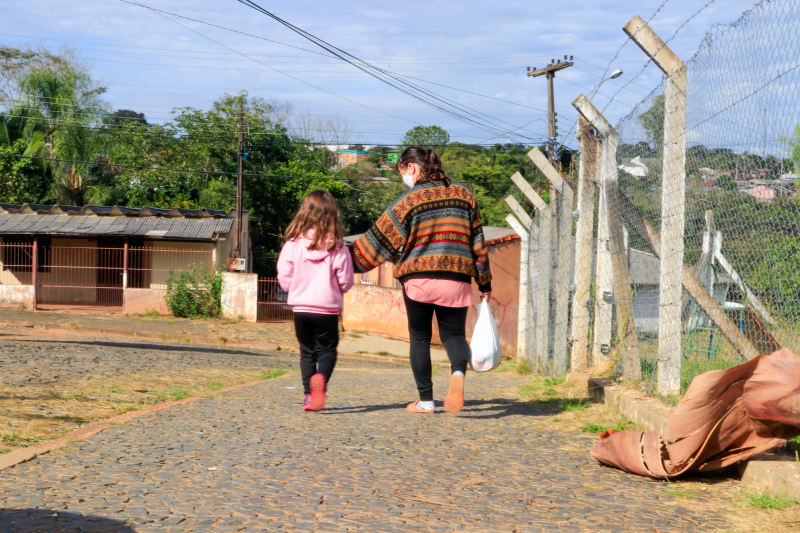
[(46, 521), (486, 409), (148, 346)]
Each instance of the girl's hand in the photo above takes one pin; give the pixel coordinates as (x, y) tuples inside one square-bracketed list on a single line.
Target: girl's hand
[(486, 296)]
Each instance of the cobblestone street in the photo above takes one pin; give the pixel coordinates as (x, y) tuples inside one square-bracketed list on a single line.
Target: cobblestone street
[(251, 460)]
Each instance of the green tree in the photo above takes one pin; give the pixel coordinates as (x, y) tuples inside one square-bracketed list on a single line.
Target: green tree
[(427, 136), (652, 121), (725, 182)]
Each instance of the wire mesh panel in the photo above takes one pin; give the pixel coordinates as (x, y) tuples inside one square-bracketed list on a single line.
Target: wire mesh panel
[(272, 306), (741, 240), (74, 277), (16, 262)]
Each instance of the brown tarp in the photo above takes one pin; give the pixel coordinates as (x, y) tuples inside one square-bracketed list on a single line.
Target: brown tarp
[(726, 416)]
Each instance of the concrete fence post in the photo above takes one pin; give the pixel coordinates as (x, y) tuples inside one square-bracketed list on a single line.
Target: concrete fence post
[(673, 203), (562, 250), (587, 176), (523, 281), (240, 295)]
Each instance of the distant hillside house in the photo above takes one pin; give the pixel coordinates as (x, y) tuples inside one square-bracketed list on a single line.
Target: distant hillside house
[(108, 258), (351, 157)]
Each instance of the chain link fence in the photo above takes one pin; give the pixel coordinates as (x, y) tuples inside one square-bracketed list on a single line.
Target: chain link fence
[(741, 238)]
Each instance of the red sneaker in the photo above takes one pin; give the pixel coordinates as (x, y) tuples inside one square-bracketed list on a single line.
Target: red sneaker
[(317, 393), (307, 403)]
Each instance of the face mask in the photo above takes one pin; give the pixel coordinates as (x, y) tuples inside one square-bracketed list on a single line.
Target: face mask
[(408, 179)]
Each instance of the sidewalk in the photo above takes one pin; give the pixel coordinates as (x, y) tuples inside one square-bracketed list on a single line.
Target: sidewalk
[(251, 460)]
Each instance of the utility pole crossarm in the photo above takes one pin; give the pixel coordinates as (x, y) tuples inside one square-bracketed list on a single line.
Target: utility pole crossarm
[(550, 68)]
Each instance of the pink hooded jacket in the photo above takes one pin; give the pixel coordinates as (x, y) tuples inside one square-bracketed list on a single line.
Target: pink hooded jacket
[(315, 279)]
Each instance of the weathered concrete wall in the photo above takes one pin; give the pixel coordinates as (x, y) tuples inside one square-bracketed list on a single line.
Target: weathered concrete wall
[(16, 297), (381, 310), (140, 301), (240, 295)]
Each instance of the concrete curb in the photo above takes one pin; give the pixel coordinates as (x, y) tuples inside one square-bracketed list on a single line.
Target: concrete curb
[(28, 454), (780, 475)]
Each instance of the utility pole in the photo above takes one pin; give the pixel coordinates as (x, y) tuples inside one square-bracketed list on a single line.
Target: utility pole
[(237, 234), (550, 72)]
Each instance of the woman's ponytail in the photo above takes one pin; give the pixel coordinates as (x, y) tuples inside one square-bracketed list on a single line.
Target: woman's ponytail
[(429, 161)]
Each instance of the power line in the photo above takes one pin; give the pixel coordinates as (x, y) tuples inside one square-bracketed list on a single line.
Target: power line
[(508, 58), (367, 68)]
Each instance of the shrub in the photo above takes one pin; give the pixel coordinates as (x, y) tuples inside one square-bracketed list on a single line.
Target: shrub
[(194, 294)]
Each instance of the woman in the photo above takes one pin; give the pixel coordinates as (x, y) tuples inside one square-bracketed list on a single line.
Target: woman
[(437, 225)]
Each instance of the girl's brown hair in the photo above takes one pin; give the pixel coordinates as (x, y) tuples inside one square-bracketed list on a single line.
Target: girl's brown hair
[(429, 162), (320, 213)]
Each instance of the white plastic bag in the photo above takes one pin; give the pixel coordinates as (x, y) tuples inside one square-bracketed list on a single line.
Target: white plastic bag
[(485, 344)]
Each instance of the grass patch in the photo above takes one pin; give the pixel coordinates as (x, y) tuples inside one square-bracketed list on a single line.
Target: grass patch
[(383, 353), (5, 450), (555, 382), (50, 394), (523, 367), (765, 500), (273, 373), (20, 439), (356, 336), (619, 425), (681, 492), (575, 405), (115, 389), (215, 385), (70, 418), (361, 351), (172, 394), (164, 337), (223, 340)]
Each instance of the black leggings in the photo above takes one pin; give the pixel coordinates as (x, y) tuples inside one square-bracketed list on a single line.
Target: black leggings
[(318, 336), (452, 330)]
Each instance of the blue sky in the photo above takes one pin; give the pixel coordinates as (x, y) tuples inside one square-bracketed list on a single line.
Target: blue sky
[(151, 64)]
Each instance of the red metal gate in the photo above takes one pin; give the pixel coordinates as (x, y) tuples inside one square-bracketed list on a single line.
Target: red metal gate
[(272, 306), (79, 277)]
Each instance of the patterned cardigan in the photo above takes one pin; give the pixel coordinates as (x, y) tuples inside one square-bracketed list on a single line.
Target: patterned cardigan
[(439, 231)]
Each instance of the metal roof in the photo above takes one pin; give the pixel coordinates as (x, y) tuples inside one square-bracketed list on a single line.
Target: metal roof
[(123, 226), (103, 210)]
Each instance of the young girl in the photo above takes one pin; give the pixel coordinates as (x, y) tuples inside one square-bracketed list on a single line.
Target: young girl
[(315, 268)]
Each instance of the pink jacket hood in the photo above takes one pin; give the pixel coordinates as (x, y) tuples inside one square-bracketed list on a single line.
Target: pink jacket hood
[(315, 279)]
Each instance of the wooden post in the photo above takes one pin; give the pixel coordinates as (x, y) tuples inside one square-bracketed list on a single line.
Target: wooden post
[(690, 282), (628, 341), (673, 204), (35, 271), (523, 281), (562, 251), (587, 176)]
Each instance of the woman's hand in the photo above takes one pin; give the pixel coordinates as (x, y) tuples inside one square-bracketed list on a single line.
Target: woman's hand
[(486, 296)]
